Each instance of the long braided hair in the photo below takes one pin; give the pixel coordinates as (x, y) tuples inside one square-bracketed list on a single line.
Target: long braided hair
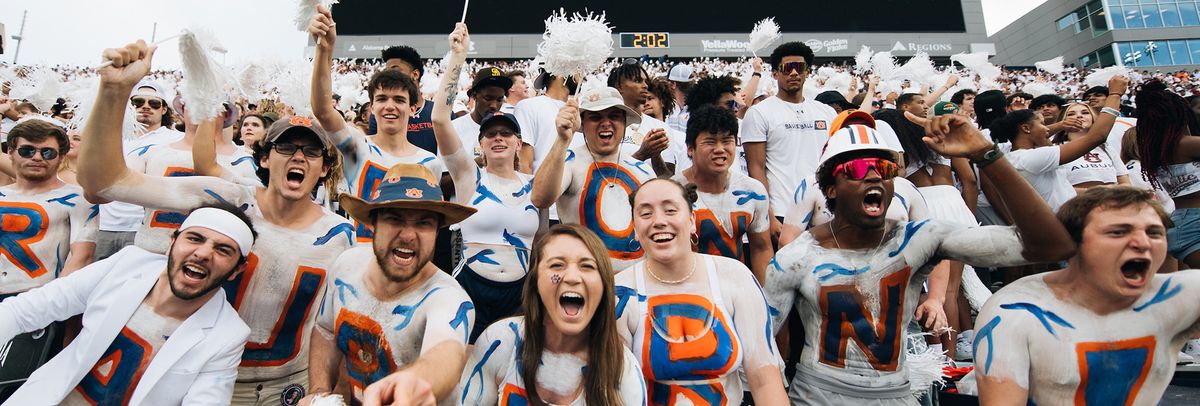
[(1162, 121)]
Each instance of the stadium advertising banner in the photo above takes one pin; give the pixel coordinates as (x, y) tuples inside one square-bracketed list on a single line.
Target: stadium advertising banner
[(639, 16)]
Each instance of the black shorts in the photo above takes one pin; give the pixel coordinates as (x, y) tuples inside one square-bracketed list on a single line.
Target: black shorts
[(493, 300)]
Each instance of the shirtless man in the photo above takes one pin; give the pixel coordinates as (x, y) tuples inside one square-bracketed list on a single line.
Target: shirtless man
[(859, 277), (577, 178), (390, 310), (1106, 328)]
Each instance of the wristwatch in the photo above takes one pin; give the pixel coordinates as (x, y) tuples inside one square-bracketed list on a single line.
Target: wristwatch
[(992, 155)]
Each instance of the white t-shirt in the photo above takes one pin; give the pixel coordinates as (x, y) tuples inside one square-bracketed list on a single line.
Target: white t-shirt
[(1040, 167), (468, 133), (596, 195), (888, 135), (285, 273), (536, 116), (795, 134), (676, 152), (1117, 133), (165, 160), (38, 232), (117, 216), (1136, 178), (378, 337), (724, 219), (1059, 350), (364, 164), (1098, 165), (492, 375)]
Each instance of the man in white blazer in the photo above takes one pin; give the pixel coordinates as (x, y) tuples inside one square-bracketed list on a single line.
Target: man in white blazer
[(157, 330)]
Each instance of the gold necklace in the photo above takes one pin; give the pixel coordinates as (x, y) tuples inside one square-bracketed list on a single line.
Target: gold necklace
[(675, 282)]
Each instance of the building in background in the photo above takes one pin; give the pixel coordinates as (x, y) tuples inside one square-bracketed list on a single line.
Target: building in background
[(1150, 34), (702, 28)]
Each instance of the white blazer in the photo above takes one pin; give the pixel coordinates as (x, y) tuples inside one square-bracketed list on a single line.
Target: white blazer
[(197, 365)]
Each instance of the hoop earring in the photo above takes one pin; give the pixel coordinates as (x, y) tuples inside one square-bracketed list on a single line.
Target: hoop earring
[(695, 239)]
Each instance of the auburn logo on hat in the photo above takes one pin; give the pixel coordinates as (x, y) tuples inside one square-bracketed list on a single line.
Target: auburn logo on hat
[(300, 121), (414, 193), (375, 195), (594, 97), (393, 179)]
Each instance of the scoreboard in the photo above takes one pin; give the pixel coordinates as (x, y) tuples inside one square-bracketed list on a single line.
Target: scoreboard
[(647, 24)]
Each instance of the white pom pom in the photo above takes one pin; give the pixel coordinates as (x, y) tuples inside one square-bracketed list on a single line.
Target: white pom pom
[(560, 373), (1100, 77), (575, 45), (39, 86), (328, 400), (292, 83), (883, 65), (919, 69), (204, 81), (1052, 66), (765, 32), (1038, 88), (924, 365), (348, 86), (252, 79), (308, 10), (977, 62), (862, 60)]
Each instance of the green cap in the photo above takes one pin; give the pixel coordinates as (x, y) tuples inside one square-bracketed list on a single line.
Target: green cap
[(944, 107)]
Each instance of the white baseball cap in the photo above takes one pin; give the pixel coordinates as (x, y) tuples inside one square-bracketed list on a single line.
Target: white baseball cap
[(856, 137), (680, 73), (603, 98)]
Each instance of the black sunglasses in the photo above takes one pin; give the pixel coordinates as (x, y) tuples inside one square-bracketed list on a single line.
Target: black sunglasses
[(27, 152), (289, 149), (138, 102)]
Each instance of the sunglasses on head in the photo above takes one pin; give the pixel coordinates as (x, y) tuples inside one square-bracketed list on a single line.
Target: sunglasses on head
[(788, 67), (857, 169), (289, 149), (27, 152), (139, 101)]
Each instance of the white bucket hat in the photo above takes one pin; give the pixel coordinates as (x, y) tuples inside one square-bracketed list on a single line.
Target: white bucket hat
[(603, 98)]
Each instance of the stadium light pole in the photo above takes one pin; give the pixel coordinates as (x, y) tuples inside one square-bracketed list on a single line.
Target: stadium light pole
[(20, 36)]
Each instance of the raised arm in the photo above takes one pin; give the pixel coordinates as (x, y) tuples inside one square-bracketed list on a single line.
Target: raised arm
[(548, 184), (463, 170), (322, 27), (204, 150), (101, 161), (1042, 236), (1101, 124), (868, 101), (937, 93), (751, 88)]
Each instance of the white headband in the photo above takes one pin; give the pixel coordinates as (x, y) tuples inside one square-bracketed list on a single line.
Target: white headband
[(222, 222)]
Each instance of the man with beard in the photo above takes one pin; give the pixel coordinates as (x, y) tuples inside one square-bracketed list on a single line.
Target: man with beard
[(783, 135), (389, 308), (591, 183), (1107, 329), (856, 281), (119, 222), (158, 329), (285, 273), (49, 229)]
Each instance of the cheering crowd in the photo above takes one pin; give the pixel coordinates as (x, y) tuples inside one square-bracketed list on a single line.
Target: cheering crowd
[(763, 231)]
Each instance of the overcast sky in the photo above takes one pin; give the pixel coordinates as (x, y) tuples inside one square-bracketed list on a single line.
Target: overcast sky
[(76, 31)]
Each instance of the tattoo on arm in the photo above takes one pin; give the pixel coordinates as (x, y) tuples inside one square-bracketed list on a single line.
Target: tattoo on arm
[(452, 85)]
